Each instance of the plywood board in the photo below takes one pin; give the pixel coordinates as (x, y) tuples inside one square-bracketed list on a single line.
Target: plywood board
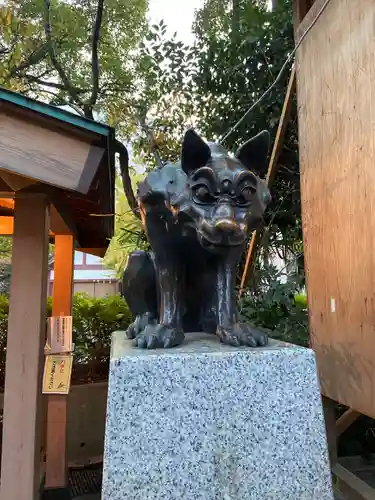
[(336, 106)]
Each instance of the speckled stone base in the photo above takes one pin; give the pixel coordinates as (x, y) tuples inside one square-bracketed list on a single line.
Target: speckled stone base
[(208, 422)]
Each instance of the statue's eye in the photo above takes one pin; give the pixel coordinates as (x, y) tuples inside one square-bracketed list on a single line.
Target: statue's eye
[(202, 195), (246, 196)]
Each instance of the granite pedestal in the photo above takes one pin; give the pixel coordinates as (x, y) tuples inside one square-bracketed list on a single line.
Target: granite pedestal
[(208, 422)]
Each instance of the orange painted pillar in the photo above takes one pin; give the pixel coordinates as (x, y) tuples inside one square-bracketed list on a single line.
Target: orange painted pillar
[(56, 457), (20, 464)]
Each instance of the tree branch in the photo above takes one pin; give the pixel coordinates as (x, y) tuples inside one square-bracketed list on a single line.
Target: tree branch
[(95, 58), (39, 81), (151, 138), (126, 181), (35, 57), (51, 50)]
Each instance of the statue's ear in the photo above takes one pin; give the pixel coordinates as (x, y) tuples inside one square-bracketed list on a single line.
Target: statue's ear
[(195, 152), (253, 154)]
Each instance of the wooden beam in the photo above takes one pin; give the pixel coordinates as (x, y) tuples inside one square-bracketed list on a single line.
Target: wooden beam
[(62, 217), (20, 463), (249, 260), (98, 252), (351, 485), (7, 203), (282, 127), (6, 226), (62, 210), (5, 188), (309, 17), (58, 224), (46, 155), (272, 166), (58, 227), (346, 420), (300, 9), (16, 182), (56, 464)]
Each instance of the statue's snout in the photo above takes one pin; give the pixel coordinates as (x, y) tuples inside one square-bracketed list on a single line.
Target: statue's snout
[(227, 226)]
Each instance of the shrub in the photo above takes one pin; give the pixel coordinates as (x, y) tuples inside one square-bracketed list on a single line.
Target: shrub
[(276, 305), (94, 320)]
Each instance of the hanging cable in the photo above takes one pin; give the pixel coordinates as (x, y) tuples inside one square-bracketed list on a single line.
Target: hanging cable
[(283, 68)]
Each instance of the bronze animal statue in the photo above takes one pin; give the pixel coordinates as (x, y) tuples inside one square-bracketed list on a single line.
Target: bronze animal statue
[(198, 215)]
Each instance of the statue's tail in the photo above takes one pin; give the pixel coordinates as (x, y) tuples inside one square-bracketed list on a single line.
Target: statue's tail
[(125, 176)]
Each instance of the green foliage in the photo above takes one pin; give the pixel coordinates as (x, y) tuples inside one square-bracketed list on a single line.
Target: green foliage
[(239, 50), (26, 63), (94, 320), (276, 305), (5, 263), (5, 247), (301, 300), (166, 102), (129, 231)]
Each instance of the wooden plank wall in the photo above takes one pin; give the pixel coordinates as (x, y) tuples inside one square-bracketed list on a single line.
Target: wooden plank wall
[(336, 105)]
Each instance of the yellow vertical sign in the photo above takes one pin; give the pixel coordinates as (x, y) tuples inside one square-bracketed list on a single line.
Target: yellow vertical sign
[(57, 374)]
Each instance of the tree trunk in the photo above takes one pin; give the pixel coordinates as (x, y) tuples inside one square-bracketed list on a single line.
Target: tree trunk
[(235, 18), (235, 28)]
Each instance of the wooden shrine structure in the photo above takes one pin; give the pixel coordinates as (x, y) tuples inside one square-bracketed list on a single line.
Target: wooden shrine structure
[(57, 180)]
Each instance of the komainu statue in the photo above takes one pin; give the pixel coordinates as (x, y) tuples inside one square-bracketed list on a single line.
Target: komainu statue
[(198, 215)]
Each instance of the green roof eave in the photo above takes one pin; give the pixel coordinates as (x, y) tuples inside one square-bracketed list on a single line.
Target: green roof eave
[(54, 112)]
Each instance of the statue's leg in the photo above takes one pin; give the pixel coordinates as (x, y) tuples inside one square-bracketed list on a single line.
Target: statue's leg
[(168, 331), (139, 288), (164, 328), (206, 278), (229, 330)]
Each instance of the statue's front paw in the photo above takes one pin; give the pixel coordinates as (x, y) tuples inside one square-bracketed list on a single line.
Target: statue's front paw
[(154, 336), (139, 324), (242, 334)]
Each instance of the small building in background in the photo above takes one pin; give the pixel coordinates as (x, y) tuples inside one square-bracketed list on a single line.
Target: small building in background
[(91, 277)]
